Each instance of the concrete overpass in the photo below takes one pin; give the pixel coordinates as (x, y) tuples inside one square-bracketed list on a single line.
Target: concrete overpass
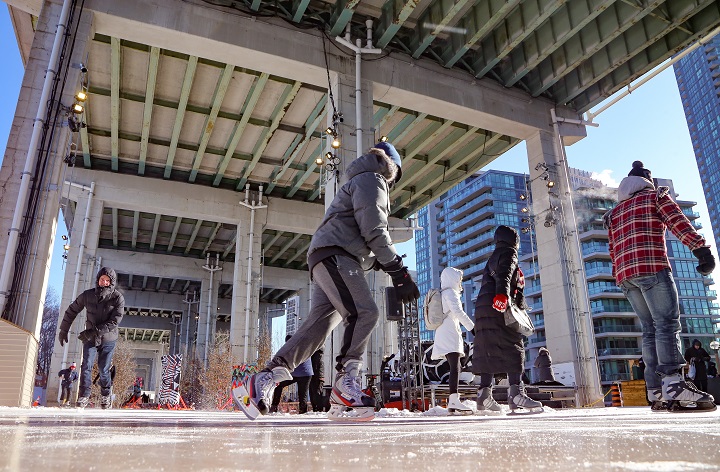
[(190, 101)]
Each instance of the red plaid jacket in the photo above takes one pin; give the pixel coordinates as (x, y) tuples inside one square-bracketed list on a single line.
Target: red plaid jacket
[(636, 228)]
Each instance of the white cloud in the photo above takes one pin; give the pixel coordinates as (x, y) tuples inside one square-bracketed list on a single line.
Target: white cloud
[(605, 178)]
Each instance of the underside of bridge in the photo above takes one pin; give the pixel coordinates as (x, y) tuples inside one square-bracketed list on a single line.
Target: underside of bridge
[(190, 101)]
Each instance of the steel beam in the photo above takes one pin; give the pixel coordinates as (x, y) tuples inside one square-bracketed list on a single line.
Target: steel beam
[(407, 124), (393, 16), (385, 117), (220, 89), (114, 101), (186, 287), (284, 248), (180, 114), (130, 281), (273, 240), (194, 234), (548, 37), (299, 7), (136, 223), (156, 226), (211, 238), (147, 110), (278, 114), (300, 251), (477, 23), (171, 243), (251, 101), (436, 18), (115, 226), (342, 14), (519, 24), (428, 135)]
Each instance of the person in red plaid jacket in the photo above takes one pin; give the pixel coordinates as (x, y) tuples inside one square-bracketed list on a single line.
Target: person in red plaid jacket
[(641, 268)]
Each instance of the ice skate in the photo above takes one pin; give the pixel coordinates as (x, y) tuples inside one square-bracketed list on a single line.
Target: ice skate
[(486, 404), (654, 397), (519, 402), (82, 402), (106, 402), (254, 396), (684, 397), (456, 407), (347, 400)]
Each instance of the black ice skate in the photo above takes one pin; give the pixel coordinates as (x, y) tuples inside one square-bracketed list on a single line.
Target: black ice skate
[(684, 397), (519, 402), (486, 404), (82, 402), (106, 402), (347, 400)]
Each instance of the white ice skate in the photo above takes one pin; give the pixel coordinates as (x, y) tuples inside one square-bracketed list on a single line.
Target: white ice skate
[(456, 407), (347, 400), (519, 402), (684, 397), (254, 397), (82, 402), (486, 404)]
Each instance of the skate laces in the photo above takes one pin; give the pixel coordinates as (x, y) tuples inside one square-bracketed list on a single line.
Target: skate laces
[(351, 384)]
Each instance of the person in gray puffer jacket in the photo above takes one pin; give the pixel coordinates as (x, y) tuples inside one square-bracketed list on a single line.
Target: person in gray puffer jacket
[(105, 307), (353, 237)]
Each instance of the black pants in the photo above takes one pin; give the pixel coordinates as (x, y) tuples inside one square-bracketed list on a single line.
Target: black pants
[(303, 387), (701, 383), (453, 359), (317, 382), (65, 393)]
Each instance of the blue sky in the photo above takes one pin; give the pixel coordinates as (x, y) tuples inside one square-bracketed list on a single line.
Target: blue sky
[(648, 125)]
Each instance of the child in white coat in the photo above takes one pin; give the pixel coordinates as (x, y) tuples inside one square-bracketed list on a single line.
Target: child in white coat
[(448, 337)]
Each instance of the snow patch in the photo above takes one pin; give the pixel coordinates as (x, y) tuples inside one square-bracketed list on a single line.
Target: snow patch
[(662, 466)]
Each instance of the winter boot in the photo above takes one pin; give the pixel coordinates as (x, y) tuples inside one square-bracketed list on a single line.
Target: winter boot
[(684, 396), (106, 402), (456, 407), (486, 404), (262, 385), (82, 402), (518, 399), (654, 396), (347, 401)]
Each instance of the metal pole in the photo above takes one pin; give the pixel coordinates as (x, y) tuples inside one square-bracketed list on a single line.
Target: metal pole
[(25, 176), (212, 268), (358, 98)]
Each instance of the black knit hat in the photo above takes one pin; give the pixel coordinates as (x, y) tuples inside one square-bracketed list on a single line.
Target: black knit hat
[(639, 170)]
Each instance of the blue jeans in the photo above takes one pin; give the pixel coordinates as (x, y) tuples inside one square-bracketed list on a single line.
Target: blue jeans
[(655, 300), (103, 353)]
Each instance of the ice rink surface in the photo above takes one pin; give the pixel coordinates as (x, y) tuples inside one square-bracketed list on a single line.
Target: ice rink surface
[(602, 439)]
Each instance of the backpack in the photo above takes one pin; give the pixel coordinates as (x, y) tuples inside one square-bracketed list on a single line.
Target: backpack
[(433, 310)]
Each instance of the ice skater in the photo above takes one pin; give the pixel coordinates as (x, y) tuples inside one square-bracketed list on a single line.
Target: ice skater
[(69, 376), (636, 230), (301, 376), (355, 225), (448, 337), (105, 307), (498, 348)]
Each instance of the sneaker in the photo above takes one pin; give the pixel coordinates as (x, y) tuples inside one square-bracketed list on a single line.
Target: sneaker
[(674, 388), (486, 404), (346, 389), (517, 398), (262, 385), (105, 402), (82, 402)]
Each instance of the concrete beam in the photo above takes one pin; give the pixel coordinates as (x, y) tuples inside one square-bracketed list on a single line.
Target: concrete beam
[(184, 200), (270, 46)]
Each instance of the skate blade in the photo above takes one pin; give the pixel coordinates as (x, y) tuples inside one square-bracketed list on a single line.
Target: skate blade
[(490, 413), (690, 407), (526, 411), (345, 413), (456, 412), (241, 398)]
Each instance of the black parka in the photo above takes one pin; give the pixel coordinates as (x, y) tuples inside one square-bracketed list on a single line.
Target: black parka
[(498, 348), (701, 357), (105, 308)]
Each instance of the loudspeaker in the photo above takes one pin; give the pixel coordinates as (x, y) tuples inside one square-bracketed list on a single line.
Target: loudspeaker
[(394, 307)]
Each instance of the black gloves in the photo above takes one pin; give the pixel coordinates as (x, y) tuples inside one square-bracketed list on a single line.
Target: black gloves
[(706, 260), (63, 337), (405, 287), (89, 335)]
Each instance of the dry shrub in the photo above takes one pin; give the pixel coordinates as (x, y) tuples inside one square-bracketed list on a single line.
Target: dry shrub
[(264, 344), (216, 379), (125, 373)]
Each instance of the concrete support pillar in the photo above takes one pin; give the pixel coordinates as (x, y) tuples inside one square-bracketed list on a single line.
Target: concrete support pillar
[(343, 90), (568, 321), (244, 319), (86, 271), (157, 369)]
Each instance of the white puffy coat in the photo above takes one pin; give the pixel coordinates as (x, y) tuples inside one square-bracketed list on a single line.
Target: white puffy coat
[(448, 337)]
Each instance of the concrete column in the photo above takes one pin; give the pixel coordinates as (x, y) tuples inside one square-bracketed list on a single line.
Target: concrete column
[(343, 90), (157, 369), (568, 321), (86, 280)]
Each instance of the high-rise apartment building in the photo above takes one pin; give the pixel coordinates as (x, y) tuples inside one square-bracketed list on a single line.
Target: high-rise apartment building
[(698, 78)]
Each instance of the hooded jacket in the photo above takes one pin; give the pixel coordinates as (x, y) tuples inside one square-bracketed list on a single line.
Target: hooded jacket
[(701, 356), (105, 308), (636, 229), (448, 337), (356, 223), (543, 366)]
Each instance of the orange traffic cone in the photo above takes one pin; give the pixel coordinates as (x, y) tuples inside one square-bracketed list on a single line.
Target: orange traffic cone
[(36, 402)]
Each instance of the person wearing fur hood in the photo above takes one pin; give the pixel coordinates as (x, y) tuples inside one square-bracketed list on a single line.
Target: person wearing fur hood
[(636, 231), (448, 337)]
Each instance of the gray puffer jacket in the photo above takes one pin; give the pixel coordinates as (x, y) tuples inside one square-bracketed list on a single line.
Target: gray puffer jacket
[(357, 219), (105, 308)]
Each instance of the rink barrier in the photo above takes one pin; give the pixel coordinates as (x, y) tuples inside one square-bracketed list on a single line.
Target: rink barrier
[(616, 394)]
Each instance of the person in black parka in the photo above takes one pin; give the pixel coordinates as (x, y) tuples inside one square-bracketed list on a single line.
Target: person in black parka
[(302, 376), (498, 348), (697, 355), (105, 307)]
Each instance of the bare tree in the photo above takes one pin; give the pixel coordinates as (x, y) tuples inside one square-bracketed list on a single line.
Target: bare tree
[(216, 379), (125, 372), (264, 348), (51, 313)]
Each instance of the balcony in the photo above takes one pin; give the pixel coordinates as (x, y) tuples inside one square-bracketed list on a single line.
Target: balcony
[(598, 272), (619, 351), (599, 249), (532, 290), (604, 329), (459, 199), (535, 339), (615, 377), (472, 206)]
